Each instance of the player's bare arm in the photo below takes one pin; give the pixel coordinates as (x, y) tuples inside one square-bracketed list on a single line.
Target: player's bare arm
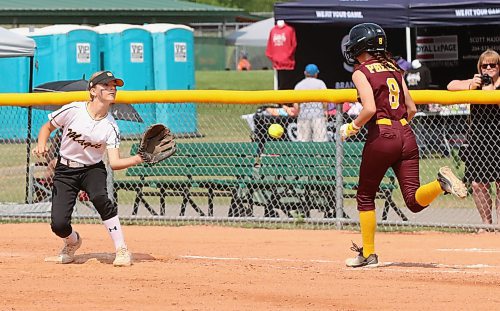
[(410, 104), (118, 163), (367, 99), (43, 136)]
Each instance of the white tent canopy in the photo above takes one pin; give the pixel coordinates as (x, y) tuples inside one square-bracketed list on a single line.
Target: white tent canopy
[(163, 27), (15, 45), (255, 34)]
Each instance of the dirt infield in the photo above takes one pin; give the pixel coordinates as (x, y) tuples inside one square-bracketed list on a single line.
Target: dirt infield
[(221, 268)]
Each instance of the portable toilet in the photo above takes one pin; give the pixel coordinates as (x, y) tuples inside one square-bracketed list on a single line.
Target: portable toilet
[(64, 52), (18, 68), (126, 50), (16, 81), (173, 63)]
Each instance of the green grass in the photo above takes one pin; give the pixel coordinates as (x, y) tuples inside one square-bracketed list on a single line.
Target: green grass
[(428, 172), (228, 116), (235, 80), (12, 172)]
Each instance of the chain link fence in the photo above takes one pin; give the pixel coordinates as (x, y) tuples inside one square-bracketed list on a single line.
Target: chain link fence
[(230, 170)]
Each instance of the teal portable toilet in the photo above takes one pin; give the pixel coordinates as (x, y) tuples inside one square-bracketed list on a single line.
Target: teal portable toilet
[(173, 63), (15, 77), (15, 80), (126, 50), (18, 68), (64, 52)]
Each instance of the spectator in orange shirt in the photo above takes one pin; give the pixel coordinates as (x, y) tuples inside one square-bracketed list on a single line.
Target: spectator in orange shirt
[(244, 63)]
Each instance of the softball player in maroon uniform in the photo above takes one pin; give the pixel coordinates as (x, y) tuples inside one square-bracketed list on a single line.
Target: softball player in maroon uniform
[(89, 130), (387, 109)]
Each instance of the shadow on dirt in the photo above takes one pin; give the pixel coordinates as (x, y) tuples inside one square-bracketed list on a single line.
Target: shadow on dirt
[(415, 265), (107, 258)]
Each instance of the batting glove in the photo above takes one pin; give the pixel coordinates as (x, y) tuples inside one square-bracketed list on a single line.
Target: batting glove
[(348, 129)]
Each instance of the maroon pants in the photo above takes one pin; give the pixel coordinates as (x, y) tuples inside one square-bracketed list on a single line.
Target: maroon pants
[(389, 146)]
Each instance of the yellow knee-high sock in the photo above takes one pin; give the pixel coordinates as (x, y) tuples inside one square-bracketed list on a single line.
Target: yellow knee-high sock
[(368, 224), (427, 193)]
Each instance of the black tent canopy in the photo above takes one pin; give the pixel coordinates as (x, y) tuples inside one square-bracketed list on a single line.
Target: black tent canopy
[(386, 13), (441, 13), (391, 13), (322, 25)]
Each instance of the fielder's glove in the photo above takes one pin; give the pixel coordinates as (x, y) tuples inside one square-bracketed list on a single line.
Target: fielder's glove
[(348, 129), (157, 144)]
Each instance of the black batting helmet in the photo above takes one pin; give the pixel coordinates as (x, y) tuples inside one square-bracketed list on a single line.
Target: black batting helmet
[(366, 37)]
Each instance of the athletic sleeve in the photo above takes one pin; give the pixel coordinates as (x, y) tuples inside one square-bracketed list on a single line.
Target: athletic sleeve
[(62, 115), (114, 136)]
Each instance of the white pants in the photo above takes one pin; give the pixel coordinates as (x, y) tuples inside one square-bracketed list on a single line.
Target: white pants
[(312, 130)]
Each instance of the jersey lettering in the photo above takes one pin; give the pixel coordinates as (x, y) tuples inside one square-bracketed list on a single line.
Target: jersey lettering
[(377, 67), (74, 136)]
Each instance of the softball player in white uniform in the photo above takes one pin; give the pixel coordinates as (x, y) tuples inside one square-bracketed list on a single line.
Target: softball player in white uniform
[(88, 131)]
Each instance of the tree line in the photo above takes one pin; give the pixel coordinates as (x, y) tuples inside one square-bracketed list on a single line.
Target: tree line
[(247, 5)]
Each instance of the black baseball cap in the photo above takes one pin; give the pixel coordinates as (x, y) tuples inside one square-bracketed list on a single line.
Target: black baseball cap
[(103, 78)]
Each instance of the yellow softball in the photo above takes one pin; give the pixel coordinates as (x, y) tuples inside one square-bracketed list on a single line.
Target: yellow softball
[(276, 131)]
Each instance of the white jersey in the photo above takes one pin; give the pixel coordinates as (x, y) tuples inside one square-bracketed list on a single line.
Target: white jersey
[(311, 110), (84, 139)]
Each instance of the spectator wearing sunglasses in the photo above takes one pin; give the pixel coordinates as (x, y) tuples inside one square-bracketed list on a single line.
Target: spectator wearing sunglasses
[(482, 154)]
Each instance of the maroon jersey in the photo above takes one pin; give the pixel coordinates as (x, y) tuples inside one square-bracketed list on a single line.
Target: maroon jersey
[(388, 145), (387, 89)]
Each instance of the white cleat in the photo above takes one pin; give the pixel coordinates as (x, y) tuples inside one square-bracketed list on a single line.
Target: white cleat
[(361, 261), (450, 183), (67, 254), (123, 258)]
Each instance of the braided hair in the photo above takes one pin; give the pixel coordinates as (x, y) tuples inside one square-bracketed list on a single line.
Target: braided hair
[(386, 59)]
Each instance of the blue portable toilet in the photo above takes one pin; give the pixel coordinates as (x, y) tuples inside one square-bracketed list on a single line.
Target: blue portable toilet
[(15, 80), (126, 50), (173, 55), (64, 52), (15, 77), (18, 68)]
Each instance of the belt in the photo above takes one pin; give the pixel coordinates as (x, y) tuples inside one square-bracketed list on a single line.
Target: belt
[(386, 121), (73, 164)]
